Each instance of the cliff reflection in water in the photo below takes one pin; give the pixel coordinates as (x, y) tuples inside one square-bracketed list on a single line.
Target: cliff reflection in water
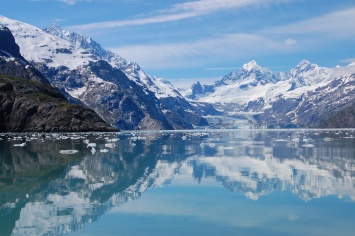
[(54, 184)]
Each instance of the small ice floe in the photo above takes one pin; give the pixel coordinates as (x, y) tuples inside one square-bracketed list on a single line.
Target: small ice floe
[(110, 145), (93, 150), (20, 144), (76, 137), (327, 139), (113, 140), (309, 145), (280, 140), (68, 152), (91, 144), (103, 150)]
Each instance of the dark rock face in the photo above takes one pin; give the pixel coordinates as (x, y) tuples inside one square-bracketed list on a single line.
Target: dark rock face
[(8, 45), (345, 118), (27, 106), (19, 69)]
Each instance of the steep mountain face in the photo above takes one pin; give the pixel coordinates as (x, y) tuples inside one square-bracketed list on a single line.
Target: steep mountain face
[(178, 111), (344, 118), (11, 61), (121, 101), (303, 97), (28, 106), (29, 103)]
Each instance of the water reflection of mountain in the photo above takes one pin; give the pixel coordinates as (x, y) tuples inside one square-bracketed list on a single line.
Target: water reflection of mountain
[(310, 165), (61, 193)]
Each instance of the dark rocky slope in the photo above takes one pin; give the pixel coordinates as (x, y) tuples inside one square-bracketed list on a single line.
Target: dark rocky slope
[(28, 106), (345, 118)]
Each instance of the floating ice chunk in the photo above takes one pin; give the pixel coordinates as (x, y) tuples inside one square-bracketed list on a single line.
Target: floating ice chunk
[(93, 150), (113, 140), (328, 139), (281, 140), (103, 150), (68, 151), (20, 145), (308, 145), (91, 144), (110, 145)]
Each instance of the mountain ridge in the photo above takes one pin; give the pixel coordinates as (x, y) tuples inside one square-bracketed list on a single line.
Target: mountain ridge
[(256, 96)]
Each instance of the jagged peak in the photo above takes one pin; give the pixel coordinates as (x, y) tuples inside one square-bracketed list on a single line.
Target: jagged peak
[(304, 64), (55, 26), (252, 65), (55, 29)]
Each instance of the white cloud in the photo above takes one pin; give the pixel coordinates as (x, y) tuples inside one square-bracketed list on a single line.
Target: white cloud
[(141, 21), (348, 60), (207, 6), (194, 53), (300, 36), (177, 12), (338, 24), (290, 42)]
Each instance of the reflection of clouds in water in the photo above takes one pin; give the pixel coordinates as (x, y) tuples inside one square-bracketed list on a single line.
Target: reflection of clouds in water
[(251, 163), (292, 217)]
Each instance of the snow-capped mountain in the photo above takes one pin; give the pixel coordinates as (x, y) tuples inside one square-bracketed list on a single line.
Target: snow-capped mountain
[(172, 102), (29, 104), (262, 97), (125, 103)]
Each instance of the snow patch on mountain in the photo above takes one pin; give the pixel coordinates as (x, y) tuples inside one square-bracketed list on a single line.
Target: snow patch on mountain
[(161, 88), (49, 49)]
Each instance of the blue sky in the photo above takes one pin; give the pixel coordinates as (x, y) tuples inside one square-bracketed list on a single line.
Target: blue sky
[(204, 39)]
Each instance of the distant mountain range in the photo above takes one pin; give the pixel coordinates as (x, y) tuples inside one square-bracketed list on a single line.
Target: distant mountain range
[(307, 96), (127, 98)]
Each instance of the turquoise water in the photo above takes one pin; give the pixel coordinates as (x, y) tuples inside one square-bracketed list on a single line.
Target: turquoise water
[(239, 182)]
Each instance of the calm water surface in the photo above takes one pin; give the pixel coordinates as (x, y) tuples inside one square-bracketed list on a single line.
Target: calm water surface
[(240, 182)]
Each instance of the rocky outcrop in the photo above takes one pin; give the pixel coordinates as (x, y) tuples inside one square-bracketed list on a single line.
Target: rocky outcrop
[(27, 106), (8, 45)]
